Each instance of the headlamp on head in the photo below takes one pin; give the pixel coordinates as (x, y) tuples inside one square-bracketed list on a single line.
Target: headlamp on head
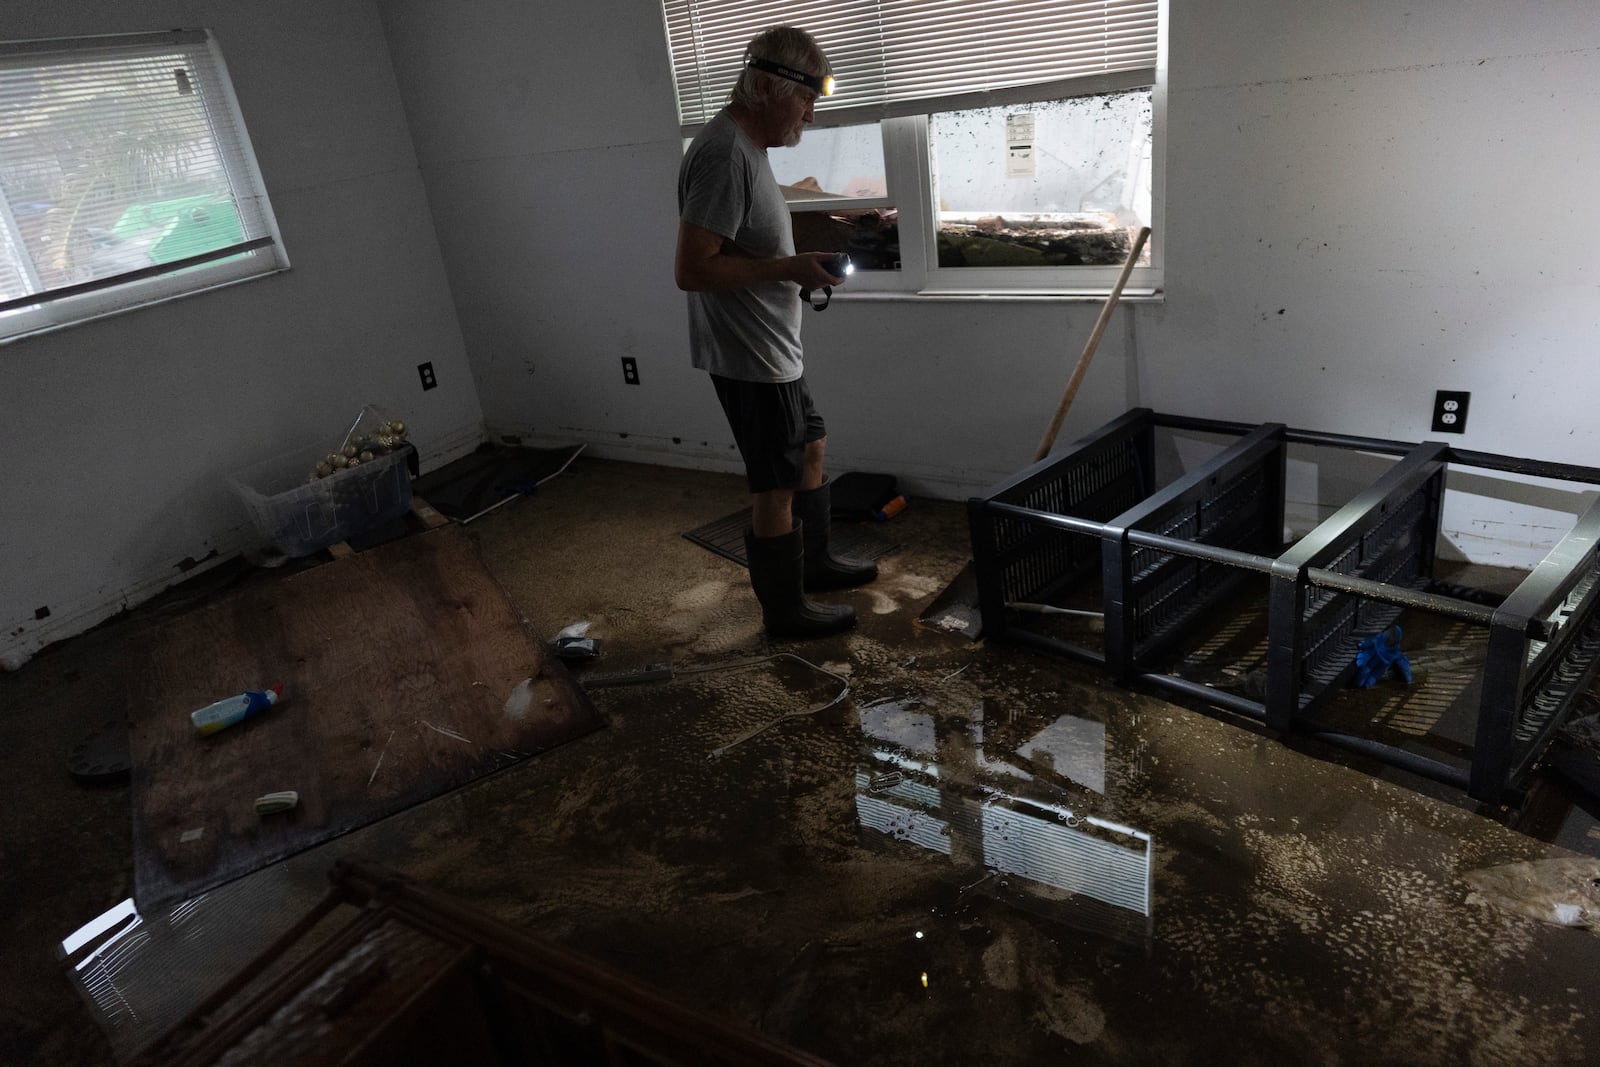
[(821, 86)]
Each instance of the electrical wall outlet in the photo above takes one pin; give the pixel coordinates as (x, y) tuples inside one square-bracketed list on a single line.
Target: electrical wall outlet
[(425, 372), (1450, 411), (630, 370)]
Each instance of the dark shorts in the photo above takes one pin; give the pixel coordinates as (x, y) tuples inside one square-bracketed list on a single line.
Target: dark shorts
[(772, 423)]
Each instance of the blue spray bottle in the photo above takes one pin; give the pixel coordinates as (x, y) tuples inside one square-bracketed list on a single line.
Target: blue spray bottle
[(225, 713)]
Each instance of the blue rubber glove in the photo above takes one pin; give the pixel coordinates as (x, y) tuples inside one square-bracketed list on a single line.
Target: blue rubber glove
[(1379, 654)]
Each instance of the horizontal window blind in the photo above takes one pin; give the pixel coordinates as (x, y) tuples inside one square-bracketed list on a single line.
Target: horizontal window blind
[(896, 57), (121, 159)]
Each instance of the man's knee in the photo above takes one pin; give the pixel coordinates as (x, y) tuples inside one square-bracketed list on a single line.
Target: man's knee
[(811, 463)]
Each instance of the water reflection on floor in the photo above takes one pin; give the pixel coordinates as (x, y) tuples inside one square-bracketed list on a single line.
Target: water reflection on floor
[(971, 855), (996, 810), (965, 856), (1088, 856)]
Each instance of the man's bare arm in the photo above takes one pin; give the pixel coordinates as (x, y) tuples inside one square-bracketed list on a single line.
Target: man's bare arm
[(701, 266)]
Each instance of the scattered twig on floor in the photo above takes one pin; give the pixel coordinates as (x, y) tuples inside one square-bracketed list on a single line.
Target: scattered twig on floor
[(955, 672), (375, 766), (447, 733)]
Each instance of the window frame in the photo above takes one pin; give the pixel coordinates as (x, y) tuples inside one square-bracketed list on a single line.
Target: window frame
[(908, 174), (260, 253), (903, 120)]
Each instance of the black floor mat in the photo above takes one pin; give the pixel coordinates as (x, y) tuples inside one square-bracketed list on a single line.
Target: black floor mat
[(857, 496), (489, 477), (854, 540)]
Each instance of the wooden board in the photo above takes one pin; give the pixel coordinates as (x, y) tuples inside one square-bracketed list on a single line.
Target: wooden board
[(406, 671)]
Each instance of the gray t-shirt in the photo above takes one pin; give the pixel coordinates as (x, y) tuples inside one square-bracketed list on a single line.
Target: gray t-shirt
[(725, 185)]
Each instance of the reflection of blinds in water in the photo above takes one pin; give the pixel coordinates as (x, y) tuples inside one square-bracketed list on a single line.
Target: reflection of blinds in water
[(1068, 858), (900, 822), (1078, 854)]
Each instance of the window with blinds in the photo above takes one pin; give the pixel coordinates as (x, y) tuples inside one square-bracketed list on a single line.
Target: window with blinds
[(902, 57), (125, 177)]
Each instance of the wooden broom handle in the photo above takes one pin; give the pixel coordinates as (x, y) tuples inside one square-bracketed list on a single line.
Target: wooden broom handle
[(1088, 349)]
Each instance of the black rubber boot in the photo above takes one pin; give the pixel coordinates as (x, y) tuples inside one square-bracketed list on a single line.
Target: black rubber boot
[(777, 572), (813, 509)]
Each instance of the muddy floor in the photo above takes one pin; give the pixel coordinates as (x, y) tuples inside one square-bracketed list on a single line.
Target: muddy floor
[(893, 846)]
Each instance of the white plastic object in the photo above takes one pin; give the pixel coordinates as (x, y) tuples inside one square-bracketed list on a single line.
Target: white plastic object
[(272, 803)]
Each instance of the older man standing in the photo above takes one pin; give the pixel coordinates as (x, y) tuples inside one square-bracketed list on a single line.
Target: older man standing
[(737, 262)]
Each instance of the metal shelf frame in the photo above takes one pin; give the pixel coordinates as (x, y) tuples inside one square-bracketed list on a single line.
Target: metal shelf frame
[(1169, 557)]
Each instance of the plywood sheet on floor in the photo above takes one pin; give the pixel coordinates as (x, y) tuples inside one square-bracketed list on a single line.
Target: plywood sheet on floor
[(407, 673)]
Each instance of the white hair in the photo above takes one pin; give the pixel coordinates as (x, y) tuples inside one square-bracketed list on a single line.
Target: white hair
[(787, 46)]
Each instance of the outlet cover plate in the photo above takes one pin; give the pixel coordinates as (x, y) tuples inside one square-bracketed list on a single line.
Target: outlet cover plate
[(1450, 411)]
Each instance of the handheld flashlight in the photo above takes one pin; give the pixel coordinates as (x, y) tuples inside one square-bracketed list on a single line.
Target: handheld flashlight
[(840, 267)]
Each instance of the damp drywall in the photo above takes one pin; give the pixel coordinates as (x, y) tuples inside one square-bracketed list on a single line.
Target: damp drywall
[(117, 436), (549, 143), (1364, 204)]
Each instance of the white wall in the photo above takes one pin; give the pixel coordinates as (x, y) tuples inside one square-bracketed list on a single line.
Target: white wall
[(549, 143), (549, 152), (1410, 186), (116, 436)]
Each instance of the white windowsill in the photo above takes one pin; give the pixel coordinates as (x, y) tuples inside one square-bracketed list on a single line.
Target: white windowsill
[(949, 296), (157, 301)]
